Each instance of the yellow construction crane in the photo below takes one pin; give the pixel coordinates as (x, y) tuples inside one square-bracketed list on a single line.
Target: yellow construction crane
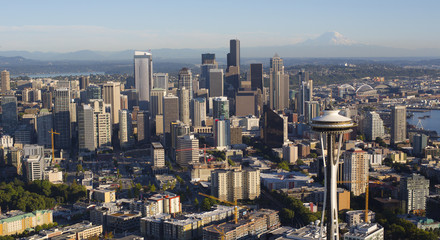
[(222, 232), (53, 149), (366, 194), (232, 203)]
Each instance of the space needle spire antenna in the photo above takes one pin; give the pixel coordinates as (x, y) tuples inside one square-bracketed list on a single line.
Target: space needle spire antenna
[(331, 125)]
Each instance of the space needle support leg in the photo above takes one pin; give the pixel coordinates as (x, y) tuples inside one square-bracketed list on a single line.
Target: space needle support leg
[(332, 168), (325, 187)]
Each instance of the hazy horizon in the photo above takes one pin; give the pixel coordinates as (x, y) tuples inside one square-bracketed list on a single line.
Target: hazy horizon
[(60, 26)]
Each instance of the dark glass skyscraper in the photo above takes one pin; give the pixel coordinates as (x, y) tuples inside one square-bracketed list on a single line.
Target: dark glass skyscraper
[(62, 118), (234, 53), (257, 76), (9, 112)]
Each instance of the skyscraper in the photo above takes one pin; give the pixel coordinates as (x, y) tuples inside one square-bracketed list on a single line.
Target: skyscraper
[(185, 80), (86, 129), (157, 154), (398, 124), (278, 85), (420, 141), (84, 82), (248, 103), (233, 64), (305, 91), (216, 83), (62, 118), (220, 108), (125, 129), (373, 126), (160, 80), (185, 157), (103, 125), (156, 102), (311, 111), (143, 77), (9, 112), (257, 76), (44, 125), (170, 113), (204, 74), (177, 129), (356, 164), (46, 98), (233, 57), (143, 127), (231, 185), (222, 133), (208, 58), (198, 111), (111, 93), (184, 101), (414, 190), (93, 92), (6, 81)]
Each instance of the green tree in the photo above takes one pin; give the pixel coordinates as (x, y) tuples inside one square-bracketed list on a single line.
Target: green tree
[(284, 165), (206, 204), (196, 202), (79, 168), (153, 188), (179, 179)]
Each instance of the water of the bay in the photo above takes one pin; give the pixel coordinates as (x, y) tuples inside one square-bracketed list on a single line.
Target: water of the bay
[(429, 123)]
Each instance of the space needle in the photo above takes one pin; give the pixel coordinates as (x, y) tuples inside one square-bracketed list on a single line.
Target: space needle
[(331, 125)]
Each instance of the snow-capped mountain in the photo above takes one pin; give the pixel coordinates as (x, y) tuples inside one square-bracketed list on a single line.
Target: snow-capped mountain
[(330, 38)]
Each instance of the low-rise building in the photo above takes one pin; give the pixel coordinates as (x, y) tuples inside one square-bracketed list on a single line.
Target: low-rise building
[(253, 225), (104, 195), (308, 232), (188, 227), (16, 222), (284, 180), (365, 231), (159, 203), (124, 221), (357, 216)]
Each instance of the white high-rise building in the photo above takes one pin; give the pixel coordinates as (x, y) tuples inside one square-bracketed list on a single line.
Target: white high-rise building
[(373, 126), (222, 133), (356, 164), (231, 185), (111, 93), (103, 124), (198, 112), (184, 100), (34, 166), (125, 129), (185, 80), (157, 154), (143, 77), (279, 84)]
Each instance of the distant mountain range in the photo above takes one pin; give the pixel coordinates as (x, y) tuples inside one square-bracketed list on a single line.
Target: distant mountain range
[(328, 45)]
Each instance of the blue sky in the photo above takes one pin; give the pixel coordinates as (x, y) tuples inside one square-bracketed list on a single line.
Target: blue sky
[(63, 26)]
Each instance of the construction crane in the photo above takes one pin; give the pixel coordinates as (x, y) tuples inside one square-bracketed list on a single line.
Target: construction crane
[(232, 203), (53, 149), (366, 194), (191, 149), (222, 232)]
